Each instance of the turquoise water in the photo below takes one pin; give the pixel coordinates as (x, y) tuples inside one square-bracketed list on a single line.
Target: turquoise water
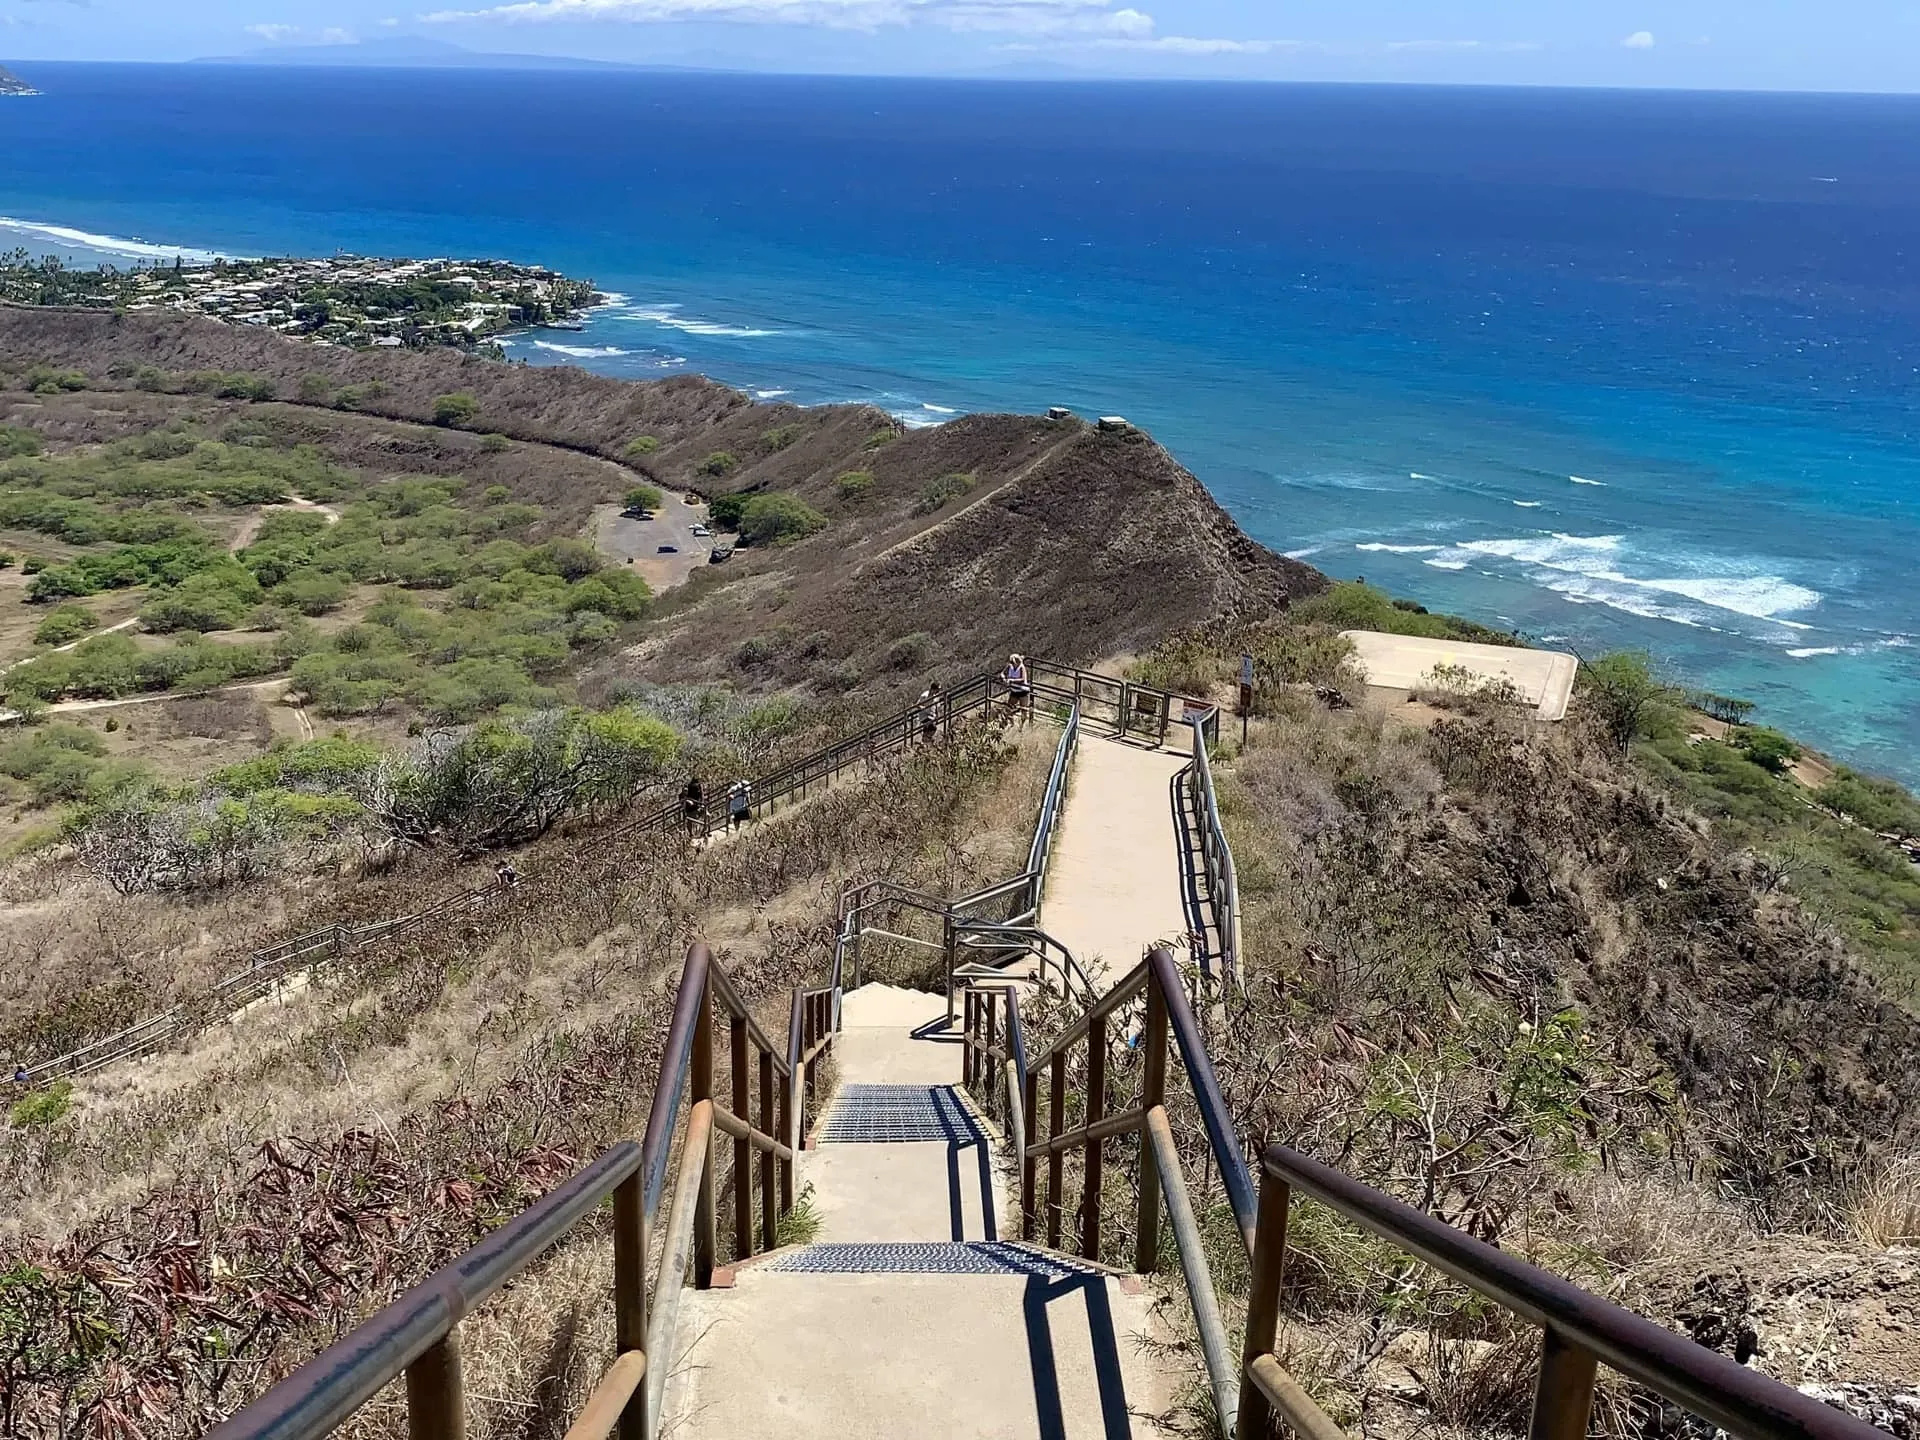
[(1614, 368)]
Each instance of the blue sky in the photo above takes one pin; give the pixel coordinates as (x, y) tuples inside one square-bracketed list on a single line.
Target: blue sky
[(1761, 44)]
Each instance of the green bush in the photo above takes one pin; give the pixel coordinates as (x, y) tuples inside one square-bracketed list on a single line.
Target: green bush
[(457, 409), (495, 444), (1626, 697), (65, 625), (854, 485), (725, 511), (42, 1107), (645, 497), (312, 592), (1354, 605), (315, 389), (780, 437), (16, 440), (720, 462), (910, 652), (63, 762), (215, 599), (1767, 748), (881, 437), (779, 519), (641, 445), (45, 380), (1880, 805), (938, 494)]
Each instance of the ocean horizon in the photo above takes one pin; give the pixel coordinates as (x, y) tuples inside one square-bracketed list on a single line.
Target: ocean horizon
[(1615, 369)]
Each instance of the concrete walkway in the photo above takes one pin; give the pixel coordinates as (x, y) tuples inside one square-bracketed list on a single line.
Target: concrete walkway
[(1113, 884), (912, 1314)]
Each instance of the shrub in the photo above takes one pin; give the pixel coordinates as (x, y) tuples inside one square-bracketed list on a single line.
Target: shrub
[(63, 762), (216, 599), (756, 652), (42, 1107), (1767, 748), (726, 510), (881, 437), (779, 519), (567, 558), (938, 494), (65, 625), (1880, 805), (720, 462), (780, 437), (495, 495), (45, 380), (150, 378), (495, 444), (910, 652), (645, 497), (854, 485), (17, 440), (315, 389), (312, 592), (641, 445), (457, 409)]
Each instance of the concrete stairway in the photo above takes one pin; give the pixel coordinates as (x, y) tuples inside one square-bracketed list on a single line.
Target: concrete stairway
[(1114, 883), (913, 1313)]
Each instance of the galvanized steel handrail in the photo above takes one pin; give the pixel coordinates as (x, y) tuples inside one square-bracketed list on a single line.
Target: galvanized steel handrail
[(418, 1334), (1223, 880)]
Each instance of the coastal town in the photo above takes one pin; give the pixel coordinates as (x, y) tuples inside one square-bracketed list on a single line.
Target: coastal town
[(347, 300)]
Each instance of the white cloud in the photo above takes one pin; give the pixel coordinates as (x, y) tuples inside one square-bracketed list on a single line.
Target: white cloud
[(1639, 40), (298, 35), (1193, 45)]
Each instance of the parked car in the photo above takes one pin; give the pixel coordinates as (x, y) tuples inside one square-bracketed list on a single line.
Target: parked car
[(721, 554), (668, 550), (702, 530), (634, 512)]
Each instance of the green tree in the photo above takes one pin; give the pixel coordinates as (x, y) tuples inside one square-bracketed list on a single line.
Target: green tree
[(779, 519), (219, 599), (720, 462), (1767, 748), (854, 485), (641, 445), (725, 511), (65, 625), (458, 409), (645, 497), (1624, 695)]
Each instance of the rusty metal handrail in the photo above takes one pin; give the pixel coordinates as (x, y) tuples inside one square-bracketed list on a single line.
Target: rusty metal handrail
[(418, 1335)]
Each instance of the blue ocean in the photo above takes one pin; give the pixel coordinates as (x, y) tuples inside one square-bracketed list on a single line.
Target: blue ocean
[(1619, 369)]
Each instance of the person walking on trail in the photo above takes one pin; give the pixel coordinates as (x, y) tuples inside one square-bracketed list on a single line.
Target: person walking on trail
[(693, 807), (739, 804), (1019, 688), (930, 712), (509, 877)]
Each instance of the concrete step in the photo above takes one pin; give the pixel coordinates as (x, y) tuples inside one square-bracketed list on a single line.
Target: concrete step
[(1020, 1352)]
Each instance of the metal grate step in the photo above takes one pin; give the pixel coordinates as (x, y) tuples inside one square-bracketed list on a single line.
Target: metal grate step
[(897, 1115), (978, 1257)]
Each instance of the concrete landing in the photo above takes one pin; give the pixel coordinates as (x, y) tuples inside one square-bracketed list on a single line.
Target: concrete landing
[(1113, 884), (909, 1315)]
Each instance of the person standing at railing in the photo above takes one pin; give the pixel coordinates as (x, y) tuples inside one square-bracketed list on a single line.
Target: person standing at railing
[(1019, 688), (693, 808), (930, 712), (739, 804)]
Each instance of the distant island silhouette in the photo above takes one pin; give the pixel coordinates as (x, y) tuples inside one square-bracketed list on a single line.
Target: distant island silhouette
[(12, 84)]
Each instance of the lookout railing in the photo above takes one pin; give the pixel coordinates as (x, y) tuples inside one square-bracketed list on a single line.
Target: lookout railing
[(1130, 708)]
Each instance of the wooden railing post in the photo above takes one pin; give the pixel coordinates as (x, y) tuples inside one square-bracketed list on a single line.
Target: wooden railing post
[(705, 1222), (1096, 1112), (1563, 1400), (742, 1150), (630, 1290), (1056, 1159), (1263, 1305), (769, 1205), (1153, 1092), (436, 1394)]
